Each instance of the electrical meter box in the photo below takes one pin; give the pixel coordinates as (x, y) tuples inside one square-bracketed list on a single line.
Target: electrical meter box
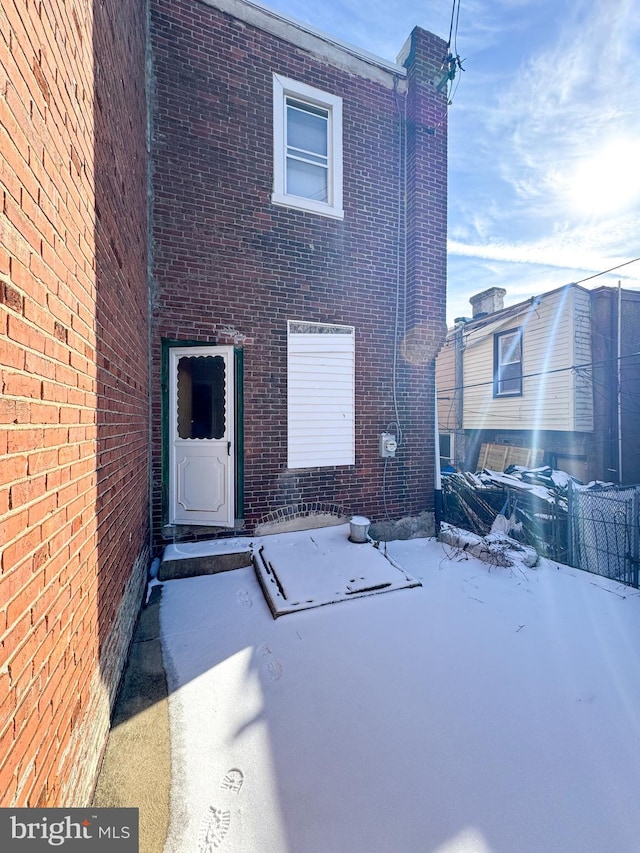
[(388, 445)]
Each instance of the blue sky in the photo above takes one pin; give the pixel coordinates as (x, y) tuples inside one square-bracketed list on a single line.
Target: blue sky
[(544, 134)]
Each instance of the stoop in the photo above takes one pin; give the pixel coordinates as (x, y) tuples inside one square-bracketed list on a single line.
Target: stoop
[(188, 559)]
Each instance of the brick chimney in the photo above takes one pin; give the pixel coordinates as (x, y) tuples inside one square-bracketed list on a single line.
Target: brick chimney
[(488, 301)]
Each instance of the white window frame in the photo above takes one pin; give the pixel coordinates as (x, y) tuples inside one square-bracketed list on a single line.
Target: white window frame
[(449, 458), (320, 394), (505, 359), (283, 88)]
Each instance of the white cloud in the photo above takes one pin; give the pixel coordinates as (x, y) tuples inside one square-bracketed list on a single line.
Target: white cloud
[(570, 99)]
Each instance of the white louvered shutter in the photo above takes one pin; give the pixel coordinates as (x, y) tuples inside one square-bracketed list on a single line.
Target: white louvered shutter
[(320, 395)]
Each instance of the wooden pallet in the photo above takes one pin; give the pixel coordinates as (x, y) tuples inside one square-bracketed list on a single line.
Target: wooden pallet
[(497, 457)]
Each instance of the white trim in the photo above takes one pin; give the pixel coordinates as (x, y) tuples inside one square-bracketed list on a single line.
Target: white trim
[(284, 87), (307, 37), (219, 451)]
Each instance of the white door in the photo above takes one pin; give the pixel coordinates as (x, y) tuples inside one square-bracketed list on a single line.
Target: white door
[(201, 432)]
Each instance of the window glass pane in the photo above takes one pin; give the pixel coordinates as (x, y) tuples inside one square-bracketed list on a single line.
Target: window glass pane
[(510, 378), (510, 371), (509, 348), (510, 386), (201, 397), (509, 363), (306, 130), (307, 180)]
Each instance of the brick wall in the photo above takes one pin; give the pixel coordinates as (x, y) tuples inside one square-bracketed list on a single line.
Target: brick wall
[(229, 265), (73, 376)]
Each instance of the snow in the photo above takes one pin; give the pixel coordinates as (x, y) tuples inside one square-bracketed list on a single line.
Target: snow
[(515, 483), (333, 571), (491, 710), (207, 548)]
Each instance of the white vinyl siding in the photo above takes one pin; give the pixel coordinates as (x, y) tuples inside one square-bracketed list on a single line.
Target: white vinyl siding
[(446, 385), (583, 390), (554, 397), (307, 148), (320, 395)]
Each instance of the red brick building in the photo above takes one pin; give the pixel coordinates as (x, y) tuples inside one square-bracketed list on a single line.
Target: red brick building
[(74, 530), (299, 239), (232, 350)]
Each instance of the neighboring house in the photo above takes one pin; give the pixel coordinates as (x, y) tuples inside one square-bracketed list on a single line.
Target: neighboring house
[(74, 521), (239, 362), (615, 348), (299, 243), (558, 374)]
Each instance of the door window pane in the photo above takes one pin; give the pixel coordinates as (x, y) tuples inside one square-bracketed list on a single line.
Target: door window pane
[(201, 397)]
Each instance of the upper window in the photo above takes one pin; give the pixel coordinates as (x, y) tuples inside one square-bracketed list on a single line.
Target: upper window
[(307, 148), (507, 363)]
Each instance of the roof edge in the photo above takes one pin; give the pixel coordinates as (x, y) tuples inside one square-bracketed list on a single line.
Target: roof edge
[(259, 15)]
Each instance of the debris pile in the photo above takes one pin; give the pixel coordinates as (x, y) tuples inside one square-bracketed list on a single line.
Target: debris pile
[(496, 549), (528, 504)]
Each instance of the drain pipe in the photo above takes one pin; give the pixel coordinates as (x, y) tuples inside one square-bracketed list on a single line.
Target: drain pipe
[(437, 493), (619, 381)]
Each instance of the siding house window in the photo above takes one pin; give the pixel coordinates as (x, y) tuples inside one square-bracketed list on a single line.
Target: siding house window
[(320, 395), (307, 148), (507, 363), (446, 450)]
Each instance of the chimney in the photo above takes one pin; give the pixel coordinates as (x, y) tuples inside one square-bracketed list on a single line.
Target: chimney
[(488, 301)]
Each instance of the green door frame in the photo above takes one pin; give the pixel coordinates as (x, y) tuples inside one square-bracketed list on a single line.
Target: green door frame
[(168, 344)]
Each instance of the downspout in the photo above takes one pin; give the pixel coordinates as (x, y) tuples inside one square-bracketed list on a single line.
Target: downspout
[(459, 449), (619, 383), (437, 496)]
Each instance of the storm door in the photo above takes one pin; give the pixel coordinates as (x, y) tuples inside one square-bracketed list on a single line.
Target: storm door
[(201, 431)]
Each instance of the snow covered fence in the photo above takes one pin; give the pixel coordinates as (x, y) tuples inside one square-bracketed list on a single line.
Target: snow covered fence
[(603, 531)]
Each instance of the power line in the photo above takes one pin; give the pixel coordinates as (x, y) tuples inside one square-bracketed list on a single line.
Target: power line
[(451, 63), (454, 18), (586, 365), (604, 272), (474, 326)]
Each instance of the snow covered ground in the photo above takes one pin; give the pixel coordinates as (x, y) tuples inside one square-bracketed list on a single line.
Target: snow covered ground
[(490, 709)]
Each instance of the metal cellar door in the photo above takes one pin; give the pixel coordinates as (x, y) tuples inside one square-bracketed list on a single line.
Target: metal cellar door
[(201, 430)]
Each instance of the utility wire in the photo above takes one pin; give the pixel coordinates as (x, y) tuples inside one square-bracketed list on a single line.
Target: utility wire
[(455, 35), (604, 272), (586, 365), (474, 326), (455, 15), (451, 63)]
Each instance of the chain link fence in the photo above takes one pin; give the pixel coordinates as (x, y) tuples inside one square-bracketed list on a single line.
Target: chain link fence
[(603, 532)]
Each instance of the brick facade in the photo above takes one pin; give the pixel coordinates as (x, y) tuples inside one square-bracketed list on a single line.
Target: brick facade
[(230, 266), (74, 378)]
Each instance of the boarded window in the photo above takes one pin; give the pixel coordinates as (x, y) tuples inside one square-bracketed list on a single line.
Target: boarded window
[(320, 395)]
